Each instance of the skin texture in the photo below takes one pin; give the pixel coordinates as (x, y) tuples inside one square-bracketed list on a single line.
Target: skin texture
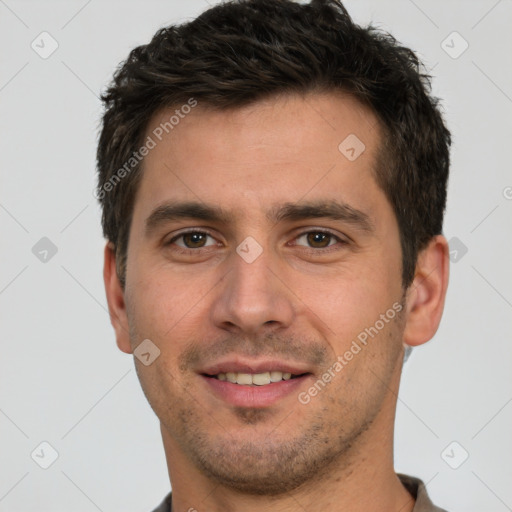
[(299, 302)]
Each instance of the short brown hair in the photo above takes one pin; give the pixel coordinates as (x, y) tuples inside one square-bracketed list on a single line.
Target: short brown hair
[(239, 52)]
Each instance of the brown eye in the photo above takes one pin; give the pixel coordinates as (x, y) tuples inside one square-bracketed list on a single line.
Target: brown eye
[(318, 239), (192, 240)]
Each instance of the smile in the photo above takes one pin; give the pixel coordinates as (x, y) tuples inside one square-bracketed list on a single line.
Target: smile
[(254, 379), (255, 390)]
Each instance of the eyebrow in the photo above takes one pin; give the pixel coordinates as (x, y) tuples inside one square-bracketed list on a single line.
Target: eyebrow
[(335, 210)]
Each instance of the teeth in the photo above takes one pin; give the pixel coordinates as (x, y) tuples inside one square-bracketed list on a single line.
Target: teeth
[(276, 376), (231, 377), (258, 379), (244, 378)]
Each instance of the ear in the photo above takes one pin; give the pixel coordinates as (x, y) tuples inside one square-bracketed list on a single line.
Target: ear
[(426, 294), (115, 299)]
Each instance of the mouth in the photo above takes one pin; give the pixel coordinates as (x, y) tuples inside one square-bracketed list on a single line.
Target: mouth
[(255, 379), (254, 384)]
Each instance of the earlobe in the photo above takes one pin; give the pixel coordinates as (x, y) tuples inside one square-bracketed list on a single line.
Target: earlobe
[(115, 300), (426, 294)]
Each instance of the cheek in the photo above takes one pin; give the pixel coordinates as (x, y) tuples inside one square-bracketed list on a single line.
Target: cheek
[(347, 302), (171, 311), (163, 299)]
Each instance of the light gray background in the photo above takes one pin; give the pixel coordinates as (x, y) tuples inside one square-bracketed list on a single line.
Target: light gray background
[(62, 378)]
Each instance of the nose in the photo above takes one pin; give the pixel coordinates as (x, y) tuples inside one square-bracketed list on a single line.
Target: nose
[(253, 298)]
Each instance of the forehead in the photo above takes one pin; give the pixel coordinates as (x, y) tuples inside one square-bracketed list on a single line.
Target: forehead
[(282, 149)]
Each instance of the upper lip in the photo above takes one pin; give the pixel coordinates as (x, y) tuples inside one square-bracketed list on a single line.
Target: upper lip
[(239, 365)]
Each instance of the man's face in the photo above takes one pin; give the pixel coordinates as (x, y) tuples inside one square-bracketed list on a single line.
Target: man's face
[(269, 287)]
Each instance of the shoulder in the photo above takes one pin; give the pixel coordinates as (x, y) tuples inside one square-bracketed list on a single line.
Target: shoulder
[(417, 489), (165, 506)]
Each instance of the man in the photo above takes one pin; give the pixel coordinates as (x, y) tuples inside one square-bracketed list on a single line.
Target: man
[(273, 183)]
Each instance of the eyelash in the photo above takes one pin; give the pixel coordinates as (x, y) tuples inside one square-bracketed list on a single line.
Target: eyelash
[(314, 250)]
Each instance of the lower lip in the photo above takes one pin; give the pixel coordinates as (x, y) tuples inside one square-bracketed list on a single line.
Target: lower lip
[(253, 396)]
